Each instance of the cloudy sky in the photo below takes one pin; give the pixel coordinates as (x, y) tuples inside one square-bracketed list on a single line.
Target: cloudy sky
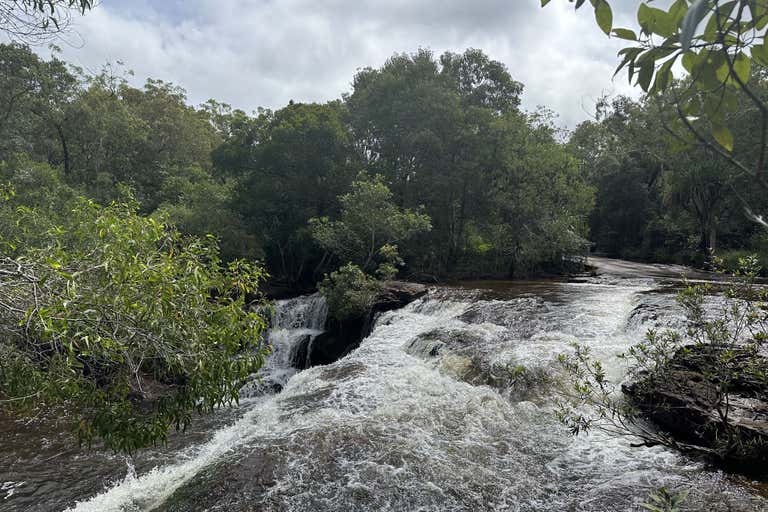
[(252, 53)]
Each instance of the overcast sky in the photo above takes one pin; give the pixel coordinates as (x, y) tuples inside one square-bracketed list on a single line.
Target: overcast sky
[(252, 53)]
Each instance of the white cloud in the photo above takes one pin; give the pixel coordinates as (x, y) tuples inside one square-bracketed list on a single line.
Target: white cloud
[(253, 53)]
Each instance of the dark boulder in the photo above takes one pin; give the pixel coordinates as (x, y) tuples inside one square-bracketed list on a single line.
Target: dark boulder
[(300, 353), (686, 401), (338, 340), (397, 294), (341, 338)]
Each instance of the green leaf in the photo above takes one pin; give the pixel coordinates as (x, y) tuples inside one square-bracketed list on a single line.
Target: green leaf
[(724, 137), (742, 66), (630, 54), (604, 16), (655, 21), (760, 54), (710, 30), (758, 11), (623, 33), (761, 21), (692, 18), (644, 16), (646, 74), (677, 11), (545, 2), (664, 76), (689, 61)]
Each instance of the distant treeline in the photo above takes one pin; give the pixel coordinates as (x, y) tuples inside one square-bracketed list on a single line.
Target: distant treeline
[(446, 135), (504, 190)]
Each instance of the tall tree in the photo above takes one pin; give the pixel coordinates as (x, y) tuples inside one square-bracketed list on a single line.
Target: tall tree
[(297, 162), (421, 123), (368, 222)]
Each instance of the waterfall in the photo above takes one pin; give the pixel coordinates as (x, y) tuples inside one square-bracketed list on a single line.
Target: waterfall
[(421, 417), (307, 312), (295, 322)]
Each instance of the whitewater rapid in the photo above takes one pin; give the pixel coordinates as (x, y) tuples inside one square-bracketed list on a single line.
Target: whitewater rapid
[(417, 419)]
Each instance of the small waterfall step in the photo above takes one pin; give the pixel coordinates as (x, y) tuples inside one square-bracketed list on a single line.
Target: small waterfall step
[(295, 323)]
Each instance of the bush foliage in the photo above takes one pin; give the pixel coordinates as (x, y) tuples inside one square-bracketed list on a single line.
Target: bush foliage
[(130, 324)]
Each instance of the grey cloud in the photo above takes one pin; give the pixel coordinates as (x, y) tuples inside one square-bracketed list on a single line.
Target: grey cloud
[(254, 53)]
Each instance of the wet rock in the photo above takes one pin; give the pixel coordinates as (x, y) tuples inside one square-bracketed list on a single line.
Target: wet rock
[(425, 347), (687, 404), (233, 485), (306, 402), (464, 354), (342, 373), (341, 338), (656, 311), (300, 353), (338, 340), (465, 369), (520, 315), (397, 294)]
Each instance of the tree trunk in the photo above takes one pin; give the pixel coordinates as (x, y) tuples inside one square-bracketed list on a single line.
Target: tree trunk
[(64, 149)]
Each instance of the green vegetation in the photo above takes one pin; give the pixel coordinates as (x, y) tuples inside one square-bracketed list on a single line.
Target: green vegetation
[(117, 302), (349, 292), (366, 233), (689, 158), (664, 501), (119, 317), (502, 195), (657, 202), (369, 222)]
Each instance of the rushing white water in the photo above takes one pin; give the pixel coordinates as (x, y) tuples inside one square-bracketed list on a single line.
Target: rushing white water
[(294, 321), (399, 424)]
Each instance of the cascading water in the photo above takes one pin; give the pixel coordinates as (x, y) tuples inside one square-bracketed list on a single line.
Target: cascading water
[(295, 322), (422, 416)]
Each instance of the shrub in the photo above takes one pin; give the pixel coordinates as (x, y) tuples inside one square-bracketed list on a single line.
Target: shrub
[(129, 324), (723, 347), (349, 292), (730, 261)]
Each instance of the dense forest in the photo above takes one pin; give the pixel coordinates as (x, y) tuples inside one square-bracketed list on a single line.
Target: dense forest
[(660, 200), (444, 135), (506, 192)]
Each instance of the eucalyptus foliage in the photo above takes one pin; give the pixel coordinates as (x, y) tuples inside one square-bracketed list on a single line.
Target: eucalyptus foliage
[(35, 20), (369, 221), (721, 50), (122, 319)]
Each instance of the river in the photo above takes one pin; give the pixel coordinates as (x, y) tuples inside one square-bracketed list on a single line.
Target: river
[(424, 415)]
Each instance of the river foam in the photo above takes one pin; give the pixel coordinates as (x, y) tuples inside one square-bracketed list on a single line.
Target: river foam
[(384, 429)]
